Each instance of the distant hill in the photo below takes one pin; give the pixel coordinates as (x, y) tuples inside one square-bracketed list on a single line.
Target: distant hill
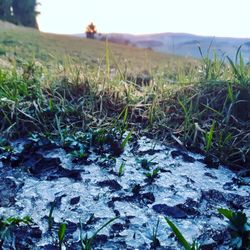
[(183, 44)]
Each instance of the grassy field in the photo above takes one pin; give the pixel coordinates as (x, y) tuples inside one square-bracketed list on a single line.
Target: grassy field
[(50, 49), (57, 85)]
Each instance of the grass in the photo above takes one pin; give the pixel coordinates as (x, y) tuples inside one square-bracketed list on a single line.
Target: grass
[(53, 50), (239, 228), (87, 242), (181, 238), (209, 137), (61, 235), (50, 217), (56, 89), (121, 169), (152, 175), (9, 224), (155, 241)]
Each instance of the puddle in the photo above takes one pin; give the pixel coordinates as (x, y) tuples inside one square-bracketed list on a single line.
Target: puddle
[(185, 190)]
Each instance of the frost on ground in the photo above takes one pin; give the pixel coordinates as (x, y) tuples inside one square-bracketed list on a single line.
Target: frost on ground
[(182, 188)]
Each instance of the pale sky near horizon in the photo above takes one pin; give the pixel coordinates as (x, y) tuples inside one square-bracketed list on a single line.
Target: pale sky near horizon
[(229, 18)]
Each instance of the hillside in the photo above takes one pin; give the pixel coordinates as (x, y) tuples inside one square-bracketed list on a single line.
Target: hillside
[(184, 44), (25, 43)]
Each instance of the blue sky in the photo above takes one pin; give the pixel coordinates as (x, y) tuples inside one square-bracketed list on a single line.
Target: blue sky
[(229, 18)]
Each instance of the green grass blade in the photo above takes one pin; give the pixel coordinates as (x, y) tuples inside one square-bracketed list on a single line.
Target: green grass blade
[(226, 212), (241, 64), (183, 106), (127, 138), (237, 54), (230, 93), (210, 45), (209, 137), (178, 234), (125, 116), (121, 169), (58, 124), (51, 218), (201, 53), (61, 232), (233, 66), (106, 224)]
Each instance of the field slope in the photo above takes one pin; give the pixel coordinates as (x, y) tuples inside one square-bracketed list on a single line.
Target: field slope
[(28, 44)]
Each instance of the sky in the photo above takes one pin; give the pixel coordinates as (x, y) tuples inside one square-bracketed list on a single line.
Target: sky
[(226, 18)]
